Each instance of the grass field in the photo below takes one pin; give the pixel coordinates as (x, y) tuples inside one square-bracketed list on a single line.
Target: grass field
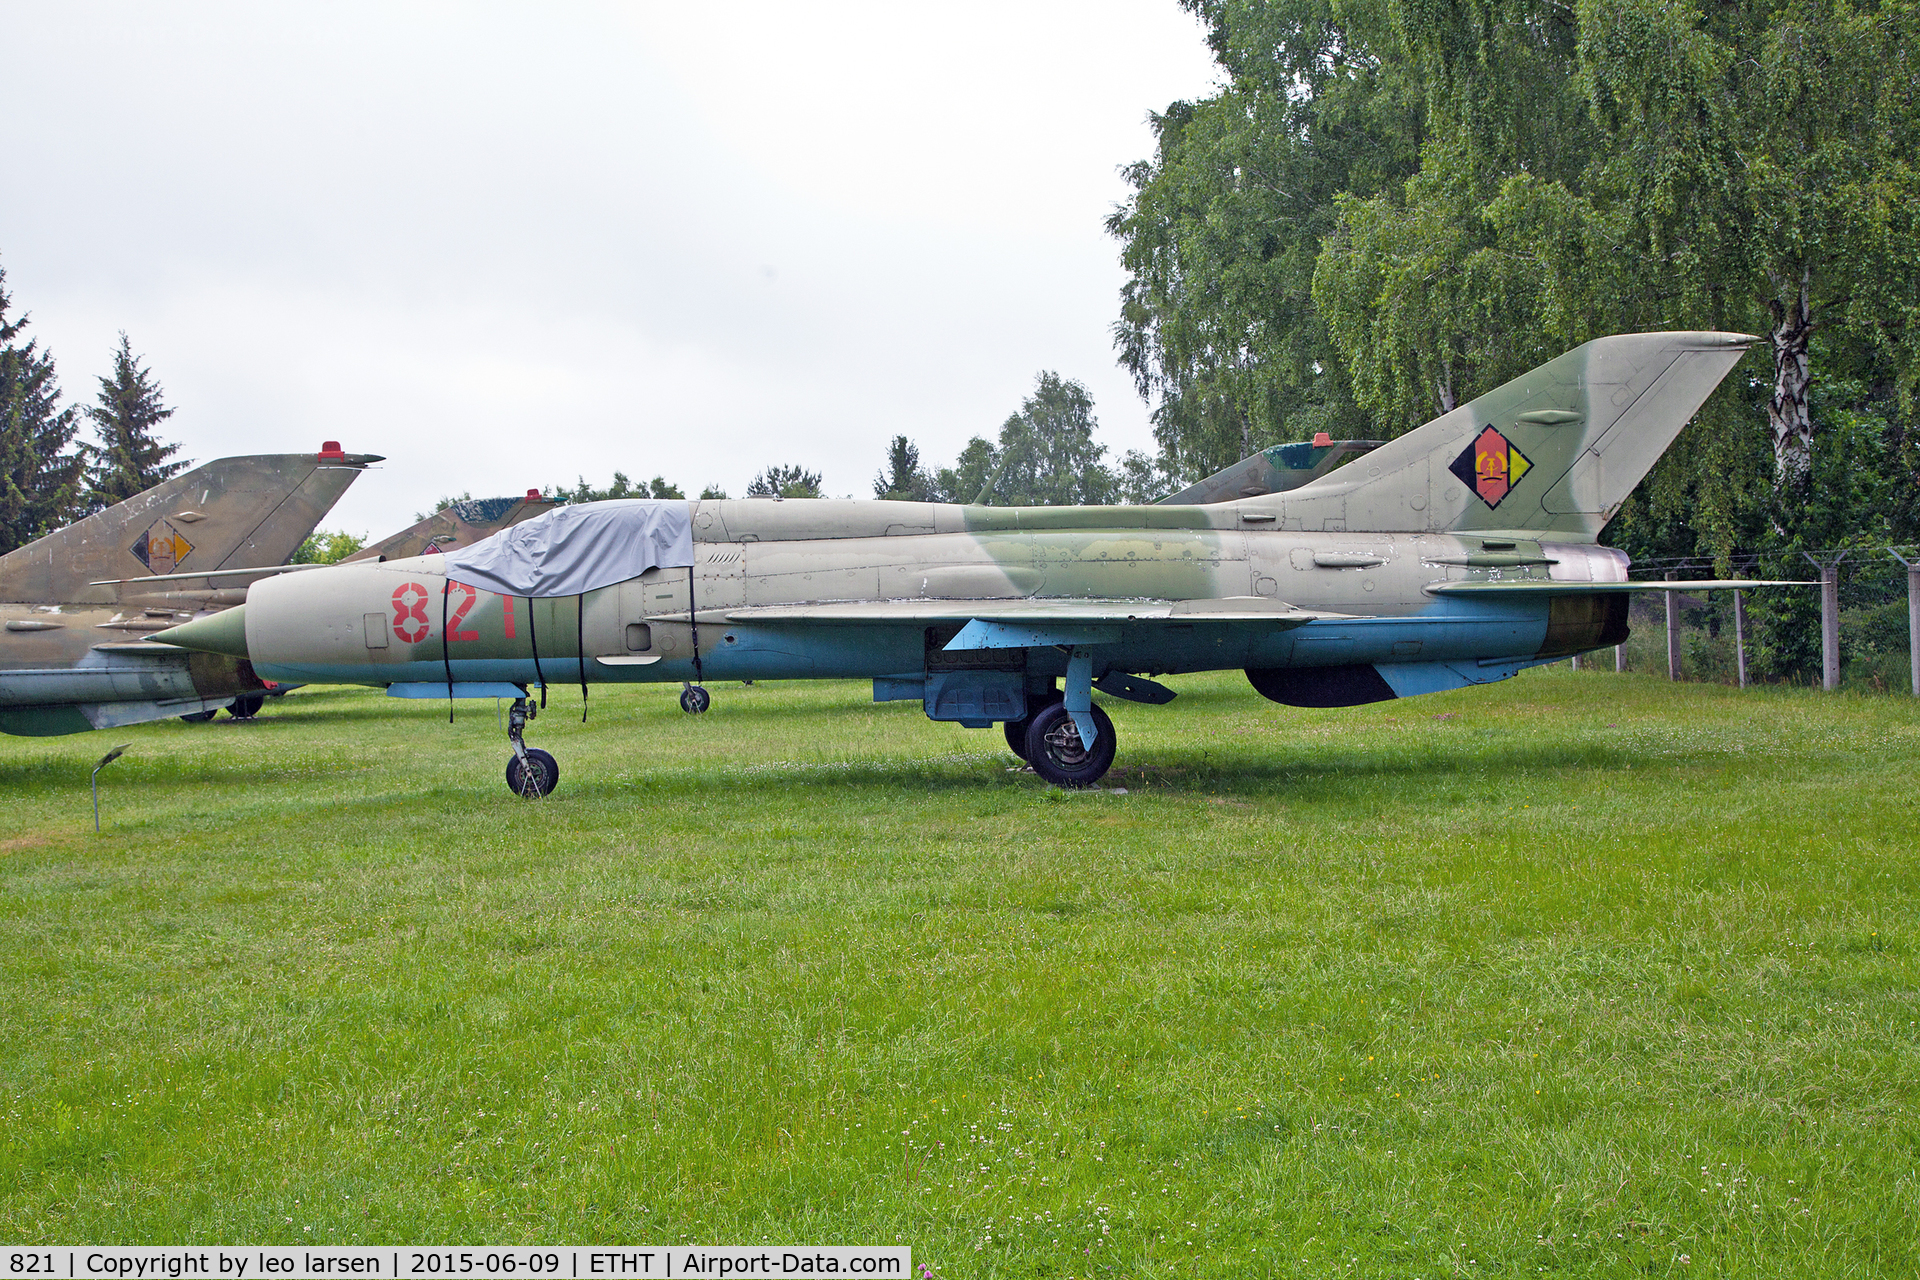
[(1583, 974)]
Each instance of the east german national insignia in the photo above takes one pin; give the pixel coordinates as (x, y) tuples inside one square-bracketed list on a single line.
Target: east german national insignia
[(162, 547), (1490, 466)]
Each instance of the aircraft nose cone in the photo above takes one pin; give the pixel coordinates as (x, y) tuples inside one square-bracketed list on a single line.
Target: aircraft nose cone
[(223, 632)]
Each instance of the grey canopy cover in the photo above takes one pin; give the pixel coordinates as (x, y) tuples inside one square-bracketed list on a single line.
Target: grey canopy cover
[(570, 551)]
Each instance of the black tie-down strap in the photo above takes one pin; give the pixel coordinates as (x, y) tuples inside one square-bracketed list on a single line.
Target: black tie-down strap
[(533, 639), (693, 620), (446, 659), (580, 639)]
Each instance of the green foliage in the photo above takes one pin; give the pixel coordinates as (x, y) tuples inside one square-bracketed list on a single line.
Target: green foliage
[(1218, 322), (1576, 975), (1046, 455), (1142, 479), (904, 480), (622, 487), (1389, 209), (785, 482), (970, 478), (712, 492), (41, 474), (328, 546), (129, 459)]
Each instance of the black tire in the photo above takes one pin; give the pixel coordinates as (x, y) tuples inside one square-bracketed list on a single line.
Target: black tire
[(546, 771), (1055, 752), (248, 707), (1016, 730), (200, 717), (694, 699)]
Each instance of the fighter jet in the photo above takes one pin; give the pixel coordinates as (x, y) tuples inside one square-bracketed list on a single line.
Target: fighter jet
[(75, 653), (1458, 554), (458, 524)]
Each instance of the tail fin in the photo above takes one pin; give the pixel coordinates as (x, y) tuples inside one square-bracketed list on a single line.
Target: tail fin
[(231, 513), (1555, 451), (459, 524)]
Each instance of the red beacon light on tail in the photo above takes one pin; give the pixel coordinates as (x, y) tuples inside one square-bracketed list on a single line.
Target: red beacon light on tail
[(332, 452)]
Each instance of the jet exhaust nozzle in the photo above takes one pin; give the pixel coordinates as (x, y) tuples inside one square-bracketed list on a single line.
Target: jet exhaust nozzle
[(223, 632)]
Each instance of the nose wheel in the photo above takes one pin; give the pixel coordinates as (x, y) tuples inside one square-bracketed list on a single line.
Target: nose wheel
[(531, 772), (694, 699)]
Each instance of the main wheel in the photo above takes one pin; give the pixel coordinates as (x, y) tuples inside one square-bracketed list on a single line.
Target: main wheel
[(545, 774), (1056, 753), (248, 707), (694, 699), (1016, 730)]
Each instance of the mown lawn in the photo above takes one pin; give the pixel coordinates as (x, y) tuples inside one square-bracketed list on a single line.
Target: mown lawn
[(1584, 974)]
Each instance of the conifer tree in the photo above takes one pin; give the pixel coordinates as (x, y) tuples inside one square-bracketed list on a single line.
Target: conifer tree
[(40, 475), (129, 459)]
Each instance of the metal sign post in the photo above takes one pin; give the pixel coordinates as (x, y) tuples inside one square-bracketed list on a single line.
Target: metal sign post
[(105, 760)]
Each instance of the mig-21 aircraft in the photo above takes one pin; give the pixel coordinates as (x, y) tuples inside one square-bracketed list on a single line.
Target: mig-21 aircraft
[(1458, 554), (75, 653), (460, 523)]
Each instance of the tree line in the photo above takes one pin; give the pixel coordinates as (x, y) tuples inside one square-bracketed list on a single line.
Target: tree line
[(1389, 208), (49, 476)]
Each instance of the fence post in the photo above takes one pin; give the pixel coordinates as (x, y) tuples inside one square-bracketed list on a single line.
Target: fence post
[(1619, 658), (1740, 634), (1673, 631), (1829, 618), (1913, 616)]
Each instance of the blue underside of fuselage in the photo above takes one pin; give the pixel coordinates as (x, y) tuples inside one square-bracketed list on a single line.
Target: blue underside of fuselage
[(1420, 653)]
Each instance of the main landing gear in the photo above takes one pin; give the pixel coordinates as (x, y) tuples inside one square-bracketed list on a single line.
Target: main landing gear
[(245, 707), (1054, 749), (531, 772), (1051, 738)]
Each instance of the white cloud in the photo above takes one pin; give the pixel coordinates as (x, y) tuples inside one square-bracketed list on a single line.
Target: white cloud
[(508, 245)]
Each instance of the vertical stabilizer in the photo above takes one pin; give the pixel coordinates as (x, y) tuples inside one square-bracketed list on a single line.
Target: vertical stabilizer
[(458, 524), (232, 513), (1555, 451)]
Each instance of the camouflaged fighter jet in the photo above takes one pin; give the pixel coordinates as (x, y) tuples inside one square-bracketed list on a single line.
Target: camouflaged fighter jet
[(75, 653), (1456, 555), (458, 524)]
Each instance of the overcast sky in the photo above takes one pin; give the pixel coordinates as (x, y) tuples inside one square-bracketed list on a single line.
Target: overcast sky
[(509, 245)]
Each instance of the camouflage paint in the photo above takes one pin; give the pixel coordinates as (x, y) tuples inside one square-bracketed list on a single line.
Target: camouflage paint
[(1348, 569)]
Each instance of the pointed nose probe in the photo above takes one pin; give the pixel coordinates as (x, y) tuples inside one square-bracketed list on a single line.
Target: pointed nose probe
[(223, 632)]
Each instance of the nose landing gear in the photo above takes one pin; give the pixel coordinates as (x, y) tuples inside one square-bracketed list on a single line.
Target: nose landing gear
[(694, 699), (531, 772)]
